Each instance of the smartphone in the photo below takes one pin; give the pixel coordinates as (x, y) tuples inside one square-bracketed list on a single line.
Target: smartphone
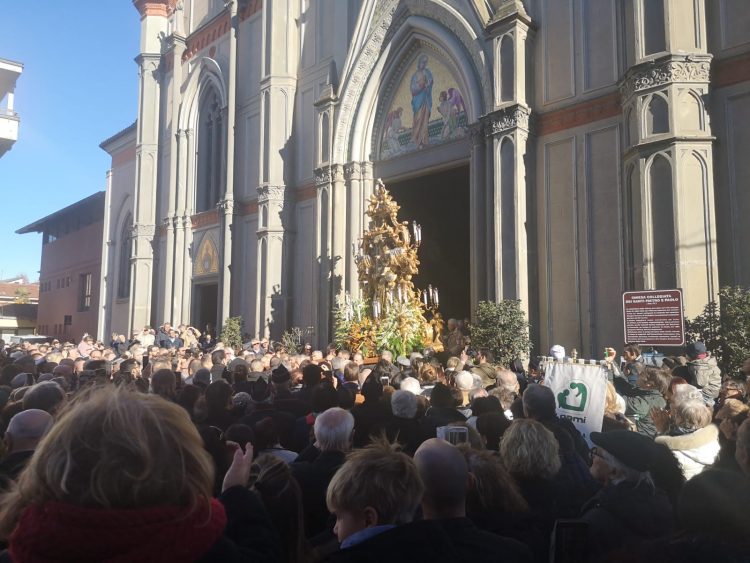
[(453, 434), (385, 380)]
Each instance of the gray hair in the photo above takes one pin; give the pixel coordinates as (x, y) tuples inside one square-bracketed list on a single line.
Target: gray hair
[(404, 404), (333, 430), (506, 379), (685, 392), (387, 356), (411, 384), (691, 414)]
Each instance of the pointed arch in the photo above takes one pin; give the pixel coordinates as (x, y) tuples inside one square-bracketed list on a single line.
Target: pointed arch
[(124, 253)]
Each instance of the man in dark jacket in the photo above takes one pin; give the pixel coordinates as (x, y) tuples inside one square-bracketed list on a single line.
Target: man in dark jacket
[(629, 508), (333, 437), (442, 412), (445, 476)]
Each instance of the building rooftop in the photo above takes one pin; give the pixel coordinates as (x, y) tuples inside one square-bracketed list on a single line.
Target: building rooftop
[(91, 206)]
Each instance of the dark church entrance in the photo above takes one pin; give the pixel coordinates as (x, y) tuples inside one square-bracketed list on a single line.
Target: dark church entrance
[(206, 306), (440, 203)]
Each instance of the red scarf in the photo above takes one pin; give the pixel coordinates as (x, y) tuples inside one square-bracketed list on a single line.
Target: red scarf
[(64, 532)]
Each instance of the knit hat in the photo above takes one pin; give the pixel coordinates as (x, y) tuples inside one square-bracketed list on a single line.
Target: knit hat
[(632, 449)]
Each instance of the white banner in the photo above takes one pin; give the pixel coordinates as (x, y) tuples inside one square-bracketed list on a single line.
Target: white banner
[(580, 393)]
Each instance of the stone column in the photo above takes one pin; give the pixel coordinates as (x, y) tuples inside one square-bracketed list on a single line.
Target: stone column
[(323, 245), (353, 177), (508, 129), (477, 217), (153, 27), (668, 155), (105, 282), (338, 234)]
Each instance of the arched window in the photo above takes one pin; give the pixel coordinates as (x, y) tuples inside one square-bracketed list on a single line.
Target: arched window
[(126, 250), (507, 70), (210, 151)]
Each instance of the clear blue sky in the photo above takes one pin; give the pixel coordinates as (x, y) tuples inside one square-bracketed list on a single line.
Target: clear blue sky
[(79, 86)]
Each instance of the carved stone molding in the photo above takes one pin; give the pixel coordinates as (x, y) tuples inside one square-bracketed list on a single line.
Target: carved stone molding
[(141, 230), (502, 120), (366, 170), (352, 171), (643, 77), (271, 193)]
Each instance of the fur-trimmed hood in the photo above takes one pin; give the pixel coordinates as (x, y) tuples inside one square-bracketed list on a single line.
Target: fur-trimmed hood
[(697, 439)]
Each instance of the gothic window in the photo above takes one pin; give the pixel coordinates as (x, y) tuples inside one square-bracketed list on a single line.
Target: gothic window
[(662, 223), (657, 116), (126, 250), (210, 151), (324, 135)]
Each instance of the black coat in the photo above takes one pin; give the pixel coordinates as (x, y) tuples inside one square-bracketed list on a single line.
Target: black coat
[(434, 541), (313, 478), (622, 515), (370, 419), (436, 417), (11, 466)]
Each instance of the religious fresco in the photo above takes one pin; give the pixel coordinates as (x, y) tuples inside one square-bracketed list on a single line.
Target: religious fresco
[(428, 109), (208, 258)]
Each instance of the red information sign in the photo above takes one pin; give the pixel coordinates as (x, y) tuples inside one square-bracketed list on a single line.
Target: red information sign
[(654, 317)]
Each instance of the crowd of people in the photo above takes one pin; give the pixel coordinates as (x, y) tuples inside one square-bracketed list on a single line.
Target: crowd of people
[(171, 446)]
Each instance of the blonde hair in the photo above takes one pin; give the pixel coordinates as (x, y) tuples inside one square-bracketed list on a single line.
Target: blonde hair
[(114, 448), (381, 477), (611, 405), (528, 449)]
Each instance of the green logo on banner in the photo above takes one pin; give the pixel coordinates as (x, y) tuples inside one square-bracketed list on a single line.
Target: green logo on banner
[(575, 402)]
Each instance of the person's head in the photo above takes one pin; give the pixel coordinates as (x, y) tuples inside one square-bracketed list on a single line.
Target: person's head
[(452, 324), (485, 356), (539, 402), (696, 350), (731, 414), (45, 396), (404, 404), (312, 374), (491, 427), (654, 378), (692, 415), (218, 396), (377, 485), (620, 456), (732, 389), (506, 379), (334, 430), (411, 384), (164, 384), (282, 497), (26, 429), (445, 476), (351, 372), (441, 396), (557, 352), (530, 450), (684, 392), (266, 434), (630, 352), (148, 453), (491, 488), (219, 357), (386, 356)]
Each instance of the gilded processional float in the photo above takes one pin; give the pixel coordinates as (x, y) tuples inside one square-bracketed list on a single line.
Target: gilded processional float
[(391, 313)]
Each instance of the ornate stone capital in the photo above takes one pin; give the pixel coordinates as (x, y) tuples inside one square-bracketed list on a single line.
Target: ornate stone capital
[(352, 171), (271, 193), (502, 120), (654, 74), (322, 176), (366, 170), (226, 205), (140, 230), (337, 173)]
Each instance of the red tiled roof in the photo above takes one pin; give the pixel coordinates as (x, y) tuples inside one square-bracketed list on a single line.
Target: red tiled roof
[(8, 290)]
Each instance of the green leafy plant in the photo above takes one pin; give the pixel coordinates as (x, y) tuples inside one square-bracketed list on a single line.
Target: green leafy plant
[(231, 332), (724, 327), (291, 340), (502, 328)]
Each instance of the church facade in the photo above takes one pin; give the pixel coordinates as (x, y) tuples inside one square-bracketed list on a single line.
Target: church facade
[(559, 152)]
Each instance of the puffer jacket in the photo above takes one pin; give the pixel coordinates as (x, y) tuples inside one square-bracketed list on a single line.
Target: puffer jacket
[(695, 451), (706, 375)]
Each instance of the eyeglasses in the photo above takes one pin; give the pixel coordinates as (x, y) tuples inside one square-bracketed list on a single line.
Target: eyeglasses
[(594, 452)]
